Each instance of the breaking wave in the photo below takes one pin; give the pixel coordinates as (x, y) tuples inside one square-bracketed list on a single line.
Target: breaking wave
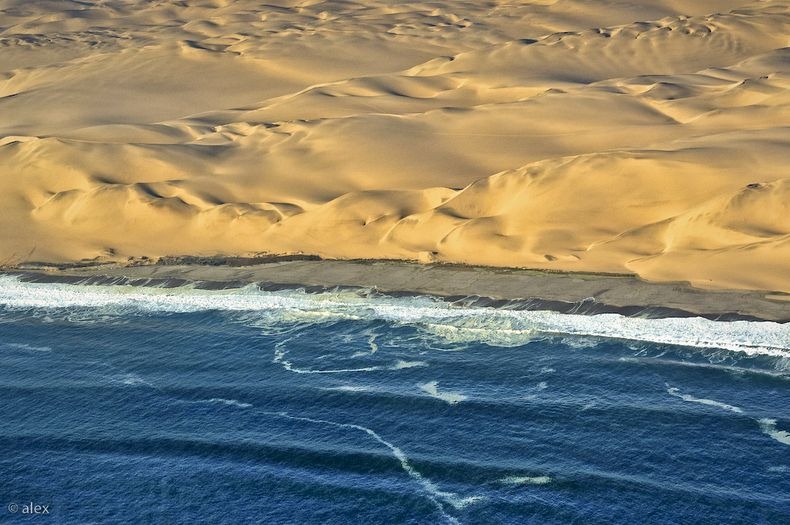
[(492, 326)]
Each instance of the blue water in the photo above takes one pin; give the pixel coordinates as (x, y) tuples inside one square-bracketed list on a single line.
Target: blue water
[(131, 405)]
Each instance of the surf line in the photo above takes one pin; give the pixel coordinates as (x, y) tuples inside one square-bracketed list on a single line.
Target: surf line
[(432, 492)]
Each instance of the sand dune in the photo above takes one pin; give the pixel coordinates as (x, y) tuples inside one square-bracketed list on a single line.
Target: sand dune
[(646, 137)]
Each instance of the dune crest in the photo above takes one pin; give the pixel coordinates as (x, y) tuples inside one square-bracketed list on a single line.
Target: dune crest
[(608, 136)]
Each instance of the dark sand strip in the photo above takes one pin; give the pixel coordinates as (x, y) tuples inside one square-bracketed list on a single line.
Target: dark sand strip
[(495, 287)]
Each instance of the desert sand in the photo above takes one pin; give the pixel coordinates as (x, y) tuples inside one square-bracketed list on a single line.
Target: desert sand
[(648, 137)]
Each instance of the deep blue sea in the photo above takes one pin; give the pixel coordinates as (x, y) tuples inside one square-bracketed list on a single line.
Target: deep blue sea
[(177, 405)]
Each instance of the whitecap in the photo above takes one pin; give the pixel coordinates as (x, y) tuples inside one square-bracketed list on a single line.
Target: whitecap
[(229, 402), (131, 380), (373, 344), (492, 331), (453, 323), (710, 402), (403, 365), (579, 342), (432, 389), (730, 369), (526, 480), (349, 388), (373, 347), (24, 346), (279, 358), (768, 426)]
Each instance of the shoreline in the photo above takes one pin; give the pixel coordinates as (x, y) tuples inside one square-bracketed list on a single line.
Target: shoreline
[(582, 293)]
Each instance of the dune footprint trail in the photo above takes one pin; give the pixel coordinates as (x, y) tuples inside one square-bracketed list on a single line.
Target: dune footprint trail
[(639, 137)]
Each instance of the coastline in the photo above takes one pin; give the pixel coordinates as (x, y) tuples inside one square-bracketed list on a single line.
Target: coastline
[(582, 293)]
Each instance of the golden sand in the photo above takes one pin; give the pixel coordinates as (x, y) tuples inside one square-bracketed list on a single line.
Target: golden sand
[(637, 136)]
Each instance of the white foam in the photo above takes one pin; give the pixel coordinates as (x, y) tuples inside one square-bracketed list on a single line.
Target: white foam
[(491, 326), (526, 480), (228, 402), (432, 491), (349, 388), (450, 398), (280, 352), (579, 342), (373, 347), (24, 346), (691, 399), (403, 365), (768, 426), (131, 380), (734, 370), (467, 329)]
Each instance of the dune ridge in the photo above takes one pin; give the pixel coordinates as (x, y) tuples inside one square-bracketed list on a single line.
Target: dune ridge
[(638, 137)]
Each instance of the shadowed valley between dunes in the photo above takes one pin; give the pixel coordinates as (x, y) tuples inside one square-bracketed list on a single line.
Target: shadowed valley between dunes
[(638, 137)]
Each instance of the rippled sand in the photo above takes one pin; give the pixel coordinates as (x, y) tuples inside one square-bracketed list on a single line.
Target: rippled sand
[(646, 137)]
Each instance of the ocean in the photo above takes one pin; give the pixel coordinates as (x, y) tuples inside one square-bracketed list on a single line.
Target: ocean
[(179, 405)]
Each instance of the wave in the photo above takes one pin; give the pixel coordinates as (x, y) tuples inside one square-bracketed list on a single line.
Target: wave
[(496, 327), (768, 426), (130, 380), (349, 388), (25, 346), (228, 402), (657, 361), (526, 480), (432, 389), (432, 491), (710, 402), (280, 352)]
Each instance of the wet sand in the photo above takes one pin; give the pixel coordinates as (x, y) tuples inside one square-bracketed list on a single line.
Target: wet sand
[(528, 289)]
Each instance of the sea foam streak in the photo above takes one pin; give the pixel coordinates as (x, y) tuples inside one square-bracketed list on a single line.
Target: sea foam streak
[(432, 389), (710, 402), (526, 480), (228, 402), (280, 352), (436, 495), (492, 326), (768, 426)]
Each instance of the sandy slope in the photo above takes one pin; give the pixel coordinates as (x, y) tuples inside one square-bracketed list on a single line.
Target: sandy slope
[(644, 136)]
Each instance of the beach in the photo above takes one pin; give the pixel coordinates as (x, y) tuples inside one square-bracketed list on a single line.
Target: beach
[(495, 287), (322, 262)]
